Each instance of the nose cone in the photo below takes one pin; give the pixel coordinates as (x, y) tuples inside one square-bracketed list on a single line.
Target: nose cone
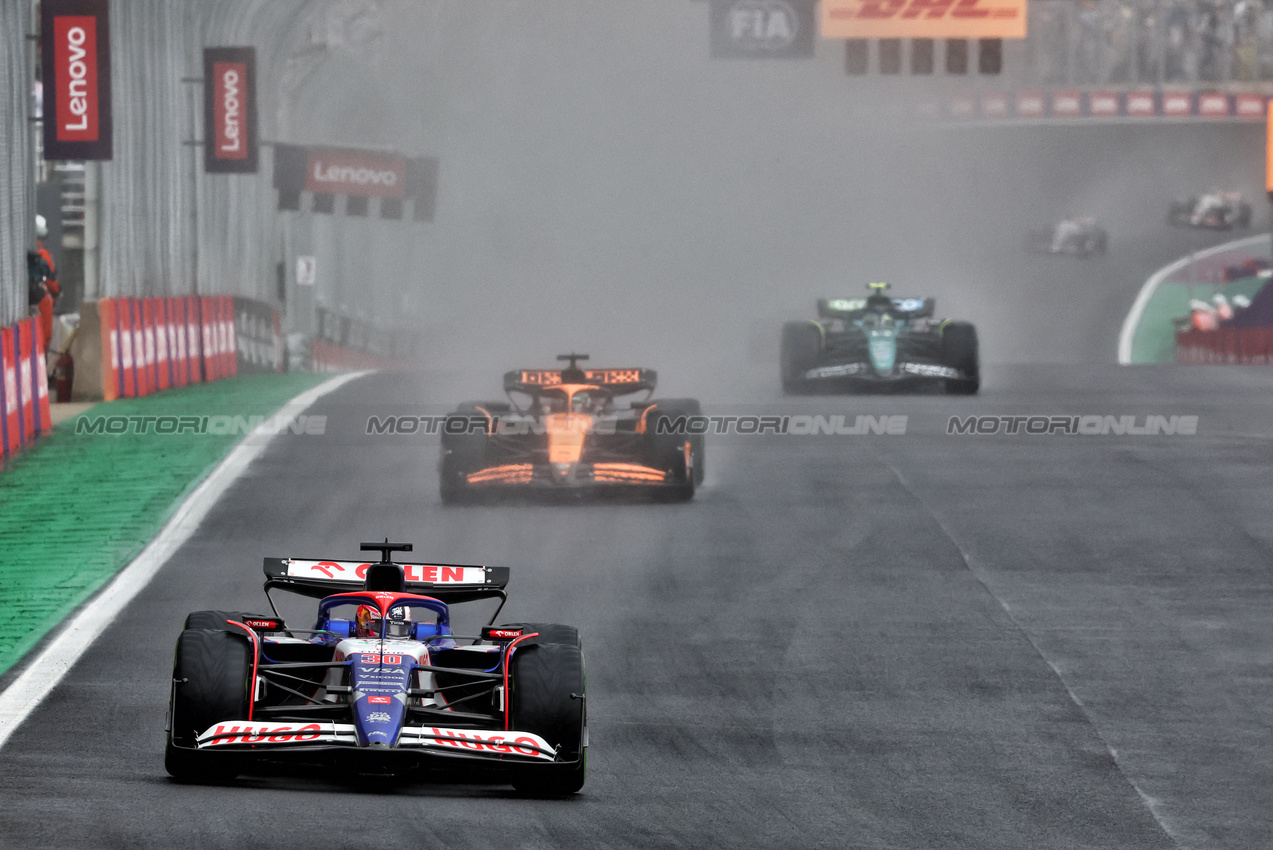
[(566, 435), (882, 346)]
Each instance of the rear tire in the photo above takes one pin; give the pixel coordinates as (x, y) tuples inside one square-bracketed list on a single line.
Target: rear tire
[(212, 672), (960, 351), (801, 345), (548, 697)]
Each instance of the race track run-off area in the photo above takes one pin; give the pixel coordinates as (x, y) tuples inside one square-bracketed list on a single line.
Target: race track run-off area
[(887, 641)]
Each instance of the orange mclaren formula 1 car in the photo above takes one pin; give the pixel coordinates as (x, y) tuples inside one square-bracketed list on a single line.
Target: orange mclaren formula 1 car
[(566, 430)]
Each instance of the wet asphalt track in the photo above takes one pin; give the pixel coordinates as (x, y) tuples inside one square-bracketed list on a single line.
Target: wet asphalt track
[(918, 641), (907, 641)]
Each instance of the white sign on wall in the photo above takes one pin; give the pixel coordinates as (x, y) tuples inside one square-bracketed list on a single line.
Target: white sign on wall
[(306, 271)]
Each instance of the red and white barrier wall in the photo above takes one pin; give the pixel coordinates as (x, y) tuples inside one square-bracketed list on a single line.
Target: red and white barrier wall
[(1225, 345), (1134, 104), (24, 387), (329, 357), (153, 344)]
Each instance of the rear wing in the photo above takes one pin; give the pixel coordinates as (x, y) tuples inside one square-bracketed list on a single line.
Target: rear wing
[(618, 381), (448, 582), (839, 308)]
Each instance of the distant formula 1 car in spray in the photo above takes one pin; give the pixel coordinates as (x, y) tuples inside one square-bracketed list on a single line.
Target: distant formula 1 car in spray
[(877, 344)]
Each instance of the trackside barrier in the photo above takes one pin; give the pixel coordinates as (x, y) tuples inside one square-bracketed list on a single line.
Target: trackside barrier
[(1225, 345), (1136, 344), (24, 394), (1131, 105), (326, 357), (258, 333), (154, 344)]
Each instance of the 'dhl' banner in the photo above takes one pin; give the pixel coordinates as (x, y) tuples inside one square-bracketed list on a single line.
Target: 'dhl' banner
[(229, 110), (763, 29), (75, 44)]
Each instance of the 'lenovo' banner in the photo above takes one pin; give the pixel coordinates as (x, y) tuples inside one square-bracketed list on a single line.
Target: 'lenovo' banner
[(75, 44), (923, 18), (229, 110), (344, 172), (762, 29), (359, 175)]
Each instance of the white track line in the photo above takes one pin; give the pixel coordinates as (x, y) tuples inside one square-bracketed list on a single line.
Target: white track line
[(1128, 333), (43, 674)]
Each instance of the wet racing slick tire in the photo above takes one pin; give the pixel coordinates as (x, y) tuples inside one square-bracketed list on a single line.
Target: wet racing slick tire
[(667, 450), (547, 633), (801, 345), (216, 620), (959, 351), (462, 453), (211, 682), (547, 696)]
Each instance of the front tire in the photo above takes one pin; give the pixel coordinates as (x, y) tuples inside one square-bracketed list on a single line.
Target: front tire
[(960, 351), (548, 633), (212, 673), (548, 696), (461, 454), (214, 620), (667, 451), (801, 345)]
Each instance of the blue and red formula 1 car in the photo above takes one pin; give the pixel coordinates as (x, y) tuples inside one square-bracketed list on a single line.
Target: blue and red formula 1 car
[(380, 684)]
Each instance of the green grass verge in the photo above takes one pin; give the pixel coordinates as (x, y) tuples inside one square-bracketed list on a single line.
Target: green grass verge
[(77, 508)]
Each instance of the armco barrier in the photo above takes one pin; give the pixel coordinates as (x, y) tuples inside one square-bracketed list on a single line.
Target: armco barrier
[(1225, 345), (24, 396), (153, 344)]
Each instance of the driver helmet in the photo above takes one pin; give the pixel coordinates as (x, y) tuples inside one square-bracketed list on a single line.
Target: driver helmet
[(551, 404), (581, 402), (367, 621), (877, 299)]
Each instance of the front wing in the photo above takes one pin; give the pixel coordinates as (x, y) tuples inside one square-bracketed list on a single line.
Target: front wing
[(864, 371), (265, 738), (616, 460)]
